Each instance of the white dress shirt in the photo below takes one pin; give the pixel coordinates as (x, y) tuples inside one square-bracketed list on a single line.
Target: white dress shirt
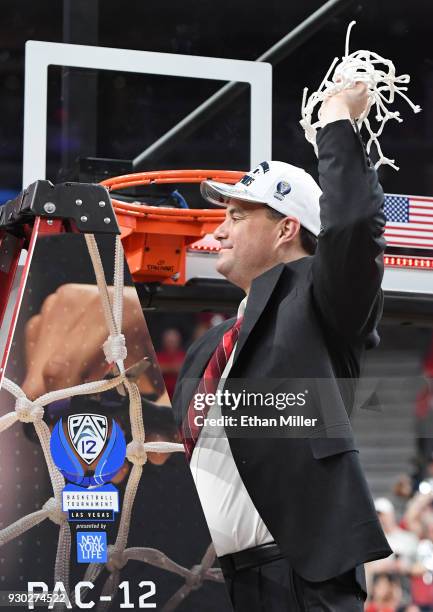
[(232, 518)]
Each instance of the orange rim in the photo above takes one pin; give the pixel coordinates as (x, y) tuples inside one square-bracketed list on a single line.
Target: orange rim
[(161, 177)]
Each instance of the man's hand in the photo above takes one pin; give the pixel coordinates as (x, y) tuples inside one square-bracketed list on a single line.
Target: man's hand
[(63, 343), (63, 346), (347, 104)]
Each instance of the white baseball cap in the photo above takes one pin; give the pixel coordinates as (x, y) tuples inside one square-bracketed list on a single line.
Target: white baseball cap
[(286, 188)]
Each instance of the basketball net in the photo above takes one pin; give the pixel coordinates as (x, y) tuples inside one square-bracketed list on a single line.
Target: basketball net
[(32, 411), (383, 85)]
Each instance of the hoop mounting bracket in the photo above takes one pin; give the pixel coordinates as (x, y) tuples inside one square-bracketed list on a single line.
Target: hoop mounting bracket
[(88, 206)]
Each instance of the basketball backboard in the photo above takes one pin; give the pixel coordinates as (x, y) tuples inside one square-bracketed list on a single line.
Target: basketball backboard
[(73, 110)]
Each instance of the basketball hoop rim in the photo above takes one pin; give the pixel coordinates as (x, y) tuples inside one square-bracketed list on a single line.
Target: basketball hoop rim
[(161, 177)]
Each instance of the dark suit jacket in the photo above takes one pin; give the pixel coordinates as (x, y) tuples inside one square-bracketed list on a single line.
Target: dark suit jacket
[(312, 319)]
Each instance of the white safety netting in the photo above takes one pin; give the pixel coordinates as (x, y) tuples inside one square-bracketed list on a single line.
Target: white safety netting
[(379, 74), (32, 411)]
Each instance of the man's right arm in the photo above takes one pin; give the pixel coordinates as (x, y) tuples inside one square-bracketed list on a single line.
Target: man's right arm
[(348, 264)]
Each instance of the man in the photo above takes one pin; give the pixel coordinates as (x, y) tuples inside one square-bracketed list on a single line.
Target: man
[(291, 518)]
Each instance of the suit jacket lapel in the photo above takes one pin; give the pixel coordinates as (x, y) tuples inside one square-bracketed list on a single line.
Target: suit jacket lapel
[(260, 292), (190, 378), (207, 349)]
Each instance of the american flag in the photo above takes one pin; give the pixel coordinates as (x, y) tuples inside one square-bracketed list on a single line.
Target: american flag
[(409, 221)]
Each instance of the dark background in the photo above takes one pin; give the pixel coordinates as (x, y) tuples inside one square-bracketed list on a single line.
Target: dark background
[(122, 114)]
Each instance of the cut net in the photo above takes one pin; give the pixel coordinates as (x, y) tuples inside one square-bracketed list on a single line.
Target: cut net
[(382, 82), (32, 411)]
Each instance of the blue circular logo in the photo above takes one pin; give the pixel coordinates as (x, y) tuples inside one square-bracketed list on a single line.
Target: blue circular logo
[(88, 449), (283, 187)]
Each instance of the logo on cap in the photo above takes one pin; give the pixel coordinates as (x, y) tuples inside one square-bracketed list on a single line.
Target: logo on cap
[(247, 179), (282, 189)]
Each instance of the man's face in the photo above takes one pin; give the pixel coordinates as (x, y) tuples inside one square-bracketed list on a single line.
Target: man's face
[(248, 238)]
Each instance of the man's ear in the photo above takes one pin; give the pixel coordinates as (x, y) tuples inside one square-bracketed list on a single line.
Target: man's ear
[(288, 230)]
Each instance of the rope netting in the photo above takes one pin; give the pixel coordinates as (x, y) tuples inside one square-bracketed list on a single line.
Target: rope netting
[(379, 74), (32, 411)]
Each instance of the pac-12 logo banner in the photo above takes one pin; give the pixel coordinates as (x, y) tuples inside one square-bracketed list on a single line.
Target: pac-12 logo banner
[(88, 434), (88, 449)]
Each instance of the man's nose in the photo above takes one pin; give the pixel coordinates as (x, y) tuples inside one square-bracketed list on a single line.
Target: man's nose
[(220, 233)]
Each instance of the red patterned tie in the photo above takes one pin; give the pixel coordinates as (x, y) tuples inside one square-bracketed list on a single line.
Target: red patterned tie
[(209, 384)]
